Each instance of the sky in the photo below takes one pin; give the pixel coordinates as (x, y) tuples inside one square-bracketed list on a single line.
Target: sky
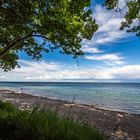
[(110, 56)]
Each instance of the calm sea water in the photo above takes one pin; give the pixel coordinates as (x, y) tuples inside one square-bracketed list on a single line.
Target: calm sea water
[(114, 96)]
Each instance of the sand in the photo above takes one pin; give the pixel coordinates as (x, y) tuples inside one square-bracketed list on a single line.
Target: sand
[(116, 125)]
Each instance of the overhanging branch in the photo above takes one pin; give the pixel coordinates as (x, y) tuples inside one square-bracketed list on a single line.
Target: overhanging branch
[(43, 36), (12, 44)]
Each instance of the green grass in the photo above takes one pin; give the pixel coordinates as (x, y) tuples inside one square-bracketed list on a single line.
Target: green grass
[(41, 124)]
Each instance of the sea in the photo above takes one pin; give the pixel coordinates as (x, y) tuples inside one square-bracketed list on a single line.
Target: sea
[(123, 97)]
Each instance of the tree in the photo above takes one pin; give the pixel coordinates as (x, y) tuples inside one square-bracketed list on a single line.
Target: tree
[(59, 23), (132, 16)]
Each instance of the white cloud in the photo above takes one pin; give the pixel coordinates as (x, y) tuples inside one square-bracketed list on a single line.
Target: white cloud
[(126, 72), (107, 59), (46, 71), (87, 49), (2, 77), (115, 63), (110, 57)]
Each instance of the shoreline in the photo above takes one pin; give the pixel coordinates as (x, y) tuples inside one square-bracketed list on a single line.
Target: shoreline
[(68, 102), (88, 105), (116, 124)]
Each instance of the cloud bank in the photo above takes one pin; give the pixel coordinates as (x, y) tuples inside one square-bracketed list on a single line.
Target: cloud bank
[(47, 71)]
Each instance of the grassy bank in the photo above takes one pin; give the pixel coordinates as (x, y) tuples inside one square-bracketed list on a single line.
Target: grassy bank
[(41, 124)]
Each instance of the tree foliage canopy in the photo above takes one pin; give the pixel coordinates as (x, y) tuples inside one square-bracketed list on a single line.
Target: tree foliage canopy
[(59, 23)]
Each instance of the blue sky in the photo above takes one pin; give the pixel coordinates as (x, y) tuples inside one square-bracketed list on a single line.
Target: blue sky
[(111, 55)]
